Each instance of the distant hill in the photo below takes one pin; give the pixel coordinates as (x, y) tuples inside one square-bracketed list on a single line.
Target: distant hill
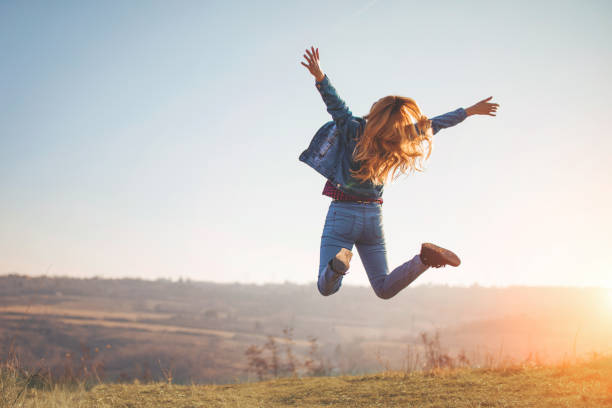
[(128, 328)]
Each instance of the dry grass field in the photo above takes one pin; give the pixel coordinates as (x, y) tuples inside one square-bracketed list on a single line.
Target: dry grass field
[(585, 384)]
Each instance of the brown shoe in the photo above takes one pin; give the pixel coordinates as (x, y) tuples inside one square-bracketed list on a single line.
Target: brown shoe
[(341, 262), (435, 256)]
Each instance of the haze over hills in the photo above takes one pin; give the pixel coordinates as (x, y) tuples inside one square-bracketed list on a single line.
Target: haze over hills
[(135, 328)]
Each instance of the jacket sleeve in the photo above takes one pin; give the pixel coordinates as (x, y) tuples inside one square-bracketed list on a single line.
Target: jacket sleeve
[(335, 106), (448, 119)]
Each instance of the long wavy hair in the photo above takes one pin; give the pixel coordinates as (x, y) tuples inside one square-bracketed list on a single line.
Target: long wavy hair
[(391, 144)]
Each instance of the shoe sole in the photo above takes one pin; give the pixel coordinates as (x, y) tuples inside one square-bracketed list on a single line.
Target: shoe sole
[(342, 261), (449, 257)]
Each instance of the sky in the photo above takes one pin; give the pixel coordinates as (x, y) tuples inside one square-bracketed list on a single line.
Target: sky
[(155, 139)]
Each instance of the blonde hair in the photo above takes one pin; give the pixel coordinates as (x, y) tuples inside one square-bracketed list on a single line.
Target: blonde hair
[(391, 143)]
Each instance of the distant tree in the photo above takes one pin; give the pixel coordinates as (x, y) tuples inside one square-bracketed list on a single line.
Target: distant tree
[(272, 347), (291, 362), (314, 364), (256, 362), (211, 314), (434, 355)]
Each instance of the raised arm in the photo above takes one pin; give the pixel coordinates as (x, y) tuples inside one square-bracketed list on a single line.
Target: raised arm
[(449, 119), (335, 106)]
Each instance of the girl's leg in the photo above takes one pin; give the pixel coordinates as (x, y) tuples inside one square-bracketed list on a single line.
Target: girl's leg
[(373, 254), (329, 281), (337, 232)]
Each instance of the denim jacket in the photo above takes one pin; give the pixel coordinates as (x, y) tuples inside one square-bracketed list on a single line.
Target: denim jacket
[(331, 149)]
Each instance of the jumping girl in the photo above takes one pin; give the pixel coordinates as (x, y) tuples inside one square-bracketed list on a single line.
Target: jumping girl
[(357, 156)]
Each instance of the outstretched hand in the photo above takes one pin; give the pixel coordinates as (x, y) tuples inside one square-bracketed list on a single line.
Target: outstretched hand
[(483, 107), (312, 57)]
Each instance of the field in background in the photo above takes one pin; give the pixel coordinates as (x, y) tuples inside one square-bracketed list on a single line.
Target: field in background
[(121, 330)]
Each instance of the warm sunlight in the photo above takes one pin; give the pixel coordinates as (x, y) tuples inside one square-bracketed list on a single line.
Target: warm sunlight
[(609, 298)]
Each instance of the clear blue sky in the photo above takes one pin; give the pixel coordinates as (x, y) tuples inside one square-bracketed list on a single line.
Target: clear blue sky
[(160, 139)]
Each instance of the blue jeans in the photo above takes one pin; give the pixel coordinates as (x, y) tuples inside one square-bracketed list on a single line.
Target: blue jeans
[(349, 223)]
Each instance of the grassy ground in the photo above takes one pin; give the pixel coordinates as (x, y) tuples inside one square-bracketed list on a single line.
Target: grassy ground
[(580, 385)]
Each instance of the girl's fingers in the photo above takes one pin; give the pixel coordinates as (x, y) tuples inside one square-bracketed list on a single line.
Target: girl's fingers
[(312, 57), (313, 54)]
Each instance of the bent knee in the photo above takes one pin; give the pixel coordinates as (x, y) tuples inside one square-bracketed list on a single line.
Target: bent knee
[(326, 292), (384, 294)]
